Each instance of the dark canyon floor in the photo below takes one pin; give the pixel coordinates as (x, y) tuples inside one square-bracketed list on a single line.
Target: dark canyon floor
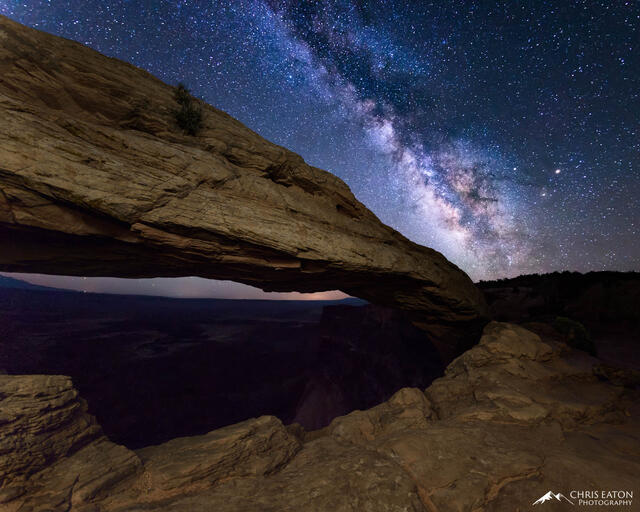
[(155, 368)]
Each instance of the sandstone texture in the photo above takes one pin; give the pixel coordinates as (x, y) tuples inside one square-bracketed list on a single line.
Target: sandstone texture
[(96, 179), (605, 303), (53, 455), (514, 417)]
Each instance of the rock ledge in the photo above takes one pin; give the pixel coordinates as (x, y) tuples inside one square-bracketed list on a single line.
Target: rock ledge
[(512, 418)]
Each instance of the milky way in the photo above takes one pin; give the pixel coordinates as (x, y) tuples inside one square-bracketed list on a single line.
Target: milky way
[(505, 135)]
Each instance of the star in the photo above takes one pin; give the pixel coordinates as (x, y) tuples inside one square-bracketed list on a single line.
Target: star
[(441, 118)]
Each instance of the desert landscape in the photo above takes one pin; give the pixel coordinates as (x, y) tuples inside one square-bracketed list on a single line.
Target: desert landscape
[(421, 391)]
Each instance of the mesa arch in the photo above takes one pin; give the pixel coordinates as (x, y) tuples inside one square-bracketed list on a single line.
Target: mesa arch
[(96, 180)]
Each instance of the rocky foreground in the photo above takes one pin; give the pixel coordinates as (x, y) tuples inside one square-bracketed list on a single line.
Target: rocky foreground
[(514, 417)]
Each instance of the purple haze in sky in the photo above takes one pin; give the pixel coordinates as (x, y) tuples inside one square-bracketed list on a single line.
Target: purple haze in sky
[(180, 287)]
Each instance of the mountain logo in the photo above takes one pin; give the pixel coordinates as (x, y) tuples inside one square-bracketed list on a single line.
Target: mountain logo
[(550, 495)]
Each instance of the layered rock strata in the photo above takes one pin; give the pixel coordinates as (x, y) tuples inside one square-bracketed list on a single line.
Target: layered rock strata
[(96, 179)]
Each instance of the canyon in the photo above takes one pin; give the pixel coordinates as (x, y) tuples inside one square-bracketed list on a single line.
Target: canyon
[(454, 411)]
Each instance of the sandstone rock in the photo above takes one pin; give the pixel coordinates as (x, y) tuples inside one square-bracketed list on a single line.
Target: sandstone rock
[(512, 418), (518, 416), (252, 448), (96, 179), (513, 376), (406, 409), (323, 476), (604, 303), (53, 455), (83, 193), (42, 419), (82, 480)]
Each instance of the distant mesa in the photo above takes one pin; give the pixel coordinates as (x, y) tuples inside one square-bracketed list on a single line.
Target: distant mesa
[(17, 284), (96, 179)]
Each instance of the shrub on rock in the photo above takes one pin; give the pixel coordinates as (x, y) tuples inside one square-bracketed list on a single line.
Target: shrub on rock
[(189, 115), (575, 334)]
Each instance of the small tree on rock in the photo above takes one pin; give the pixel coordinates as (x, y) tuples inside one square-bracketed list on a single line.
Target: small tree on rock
[(189, 115)]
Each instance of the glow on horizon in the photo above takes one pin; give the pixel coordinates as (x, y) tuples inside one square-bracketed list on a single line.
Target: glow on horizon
[(177, 287)]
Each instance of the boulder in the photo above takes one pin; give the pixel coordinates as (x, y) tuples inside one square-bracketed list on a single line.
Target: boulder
[(53, 455), (514, 417), (251, 448)]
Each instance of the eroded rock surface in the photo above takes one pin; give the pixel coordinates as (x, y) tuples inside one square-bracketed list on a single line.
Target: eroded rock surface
[(53, 455), (512, 418), (605, 303), (96, 179)]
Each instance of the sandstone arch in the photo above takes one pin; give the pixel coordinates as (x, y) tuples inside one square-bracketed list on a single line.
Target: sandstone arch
[(96, 180)]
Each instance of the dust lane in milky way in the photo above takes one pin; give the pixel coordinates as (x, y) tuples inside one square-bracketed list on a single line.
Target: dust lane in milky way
[(505, 136)]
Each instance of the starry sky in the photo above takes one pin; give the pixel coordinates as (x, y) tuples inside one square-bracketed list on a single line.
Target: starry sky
[(505, 135)]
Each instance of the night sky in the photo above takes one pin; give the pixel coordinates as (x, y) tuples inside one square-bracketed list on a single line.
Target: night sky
[(505, 135)]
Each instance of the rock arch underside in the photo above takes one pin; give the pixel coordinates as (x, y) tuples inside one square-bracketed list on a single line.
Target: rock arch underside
[(96, 180)]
